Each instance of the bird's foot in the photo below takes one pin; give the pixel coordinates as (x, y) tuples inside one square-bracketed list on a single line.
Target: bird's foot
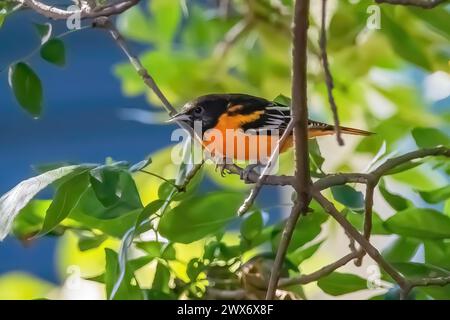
[(245, 174), (222, 166)]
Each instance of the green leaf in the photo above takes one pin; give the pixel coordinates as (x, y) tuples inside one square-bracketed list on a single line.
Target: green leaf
[(404, 167), (162, 278), (401, 250), (395, 201), (337, 283), (115, 189), (44, 31), (421, 270), (430, 137), (54, 52), (30, 219), (307, 229), (91, 242), (437, 252), (436, 196), (2, 18), (252, 225), (437, 19), (403, 43), (27, 88), (194, 268), (357, 220), (302, 254), (169, 252), (348, 196), (65, 199), (134, 25), (166, 18), (140, 165), (197, 217), (420, 223), (152, 248), (17, 198), (126, 291), (282, 99), (148, 211)]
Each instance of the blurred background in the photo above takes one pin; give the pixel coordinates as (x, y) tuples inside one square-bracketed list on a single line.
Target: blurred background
[(388, 80)]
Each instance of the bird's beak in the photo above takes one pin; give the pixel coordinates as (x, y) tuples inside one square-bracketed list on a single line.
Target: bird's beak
[(180, 117)]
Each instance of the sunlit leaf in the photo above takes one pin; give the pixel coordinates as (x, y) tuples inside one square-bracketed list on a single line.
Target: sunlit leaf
[(430, 137), (337, 283), (252, 225), (401, 250), (65, 199), (420, 223), (18, 197), (200, 216)]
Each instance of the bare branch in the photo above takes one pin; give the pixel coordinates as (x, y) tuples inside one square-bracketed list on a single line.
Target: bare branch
[(52, 12), (362, 241), (299, 111), (326, 270), (370, 188), (426, 4), (328, 76)]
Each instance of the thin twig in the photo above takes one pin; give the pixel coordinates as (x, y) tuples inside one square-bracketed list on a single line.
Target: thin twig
[(326, 270), (52, 12), (248, 202), (328, 76), (425, 4), (362, 241), (368, 208)]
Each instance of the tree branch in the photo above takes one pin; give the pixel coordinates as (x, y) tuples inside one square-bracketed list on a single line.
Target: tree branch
[(326, 270), (426, 4), (328, 76), (362, 241), (52, 12), (299, 111)]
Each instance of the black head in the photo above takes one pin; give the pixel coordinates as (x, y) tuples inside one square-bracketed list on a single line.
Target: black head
[(209, 108)]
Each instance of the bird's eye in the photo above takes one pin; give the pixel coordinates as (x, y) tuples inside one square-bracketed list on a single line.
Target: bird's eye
[(198, 111)]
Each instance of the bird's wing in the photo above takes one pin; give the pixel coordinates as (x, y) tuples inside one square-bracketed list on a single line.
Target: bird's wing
[(275, 118)]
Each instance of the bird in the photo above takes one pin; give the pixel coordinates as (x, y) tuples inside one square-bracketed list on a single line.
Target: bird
[(238, 126)]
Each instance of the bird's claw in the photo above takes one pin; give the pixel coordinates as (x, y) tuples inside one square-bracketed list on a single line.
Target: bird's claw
[(245, 174), (223, 169)]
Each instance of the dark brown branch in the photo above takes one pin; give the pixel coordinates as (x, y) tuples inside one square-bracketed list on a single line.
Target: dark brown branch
[(52, 12), (395, 162), (326, 270), (426, 4), (328, 76), (362, 241), (302, 183), (282, 249), (370, 188)]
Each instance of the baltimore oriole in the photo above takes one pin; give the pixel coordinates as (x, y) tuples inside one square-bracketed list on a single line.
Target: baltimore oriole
[(254, 121)]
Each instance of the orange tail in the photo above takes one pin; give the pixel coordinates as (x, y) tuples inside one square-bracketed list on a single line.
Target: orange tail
[(329, 129), (357, 132)]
